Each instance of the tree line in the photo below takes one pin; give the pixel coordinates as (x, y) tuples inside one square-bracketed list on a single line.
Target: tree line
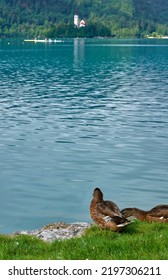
[(54, 18)]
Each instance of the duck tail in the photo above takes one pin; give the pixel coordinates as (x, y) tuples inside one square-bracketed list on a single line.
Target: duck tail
[(124, 224)]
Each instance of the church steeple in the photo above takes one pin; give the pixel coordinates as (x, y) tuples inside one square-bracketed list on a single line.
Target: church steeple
[(76, 20)]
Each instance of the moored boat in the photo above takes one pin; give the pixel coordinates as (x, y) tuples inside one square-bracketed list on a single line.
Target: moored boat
[(43, 40)]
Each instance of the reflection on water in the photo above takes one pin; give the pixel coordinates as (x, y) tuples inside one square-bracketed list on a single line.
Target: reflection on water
[(79, 51), (78, 115)]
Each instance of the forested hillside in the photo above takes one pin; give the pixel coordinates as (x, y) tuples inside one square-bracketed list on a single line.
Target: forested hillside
[(54, 18)]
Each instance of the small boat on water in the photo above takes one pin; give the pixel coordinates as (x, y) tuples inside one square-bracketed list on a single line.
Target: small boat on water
[(43, 40)]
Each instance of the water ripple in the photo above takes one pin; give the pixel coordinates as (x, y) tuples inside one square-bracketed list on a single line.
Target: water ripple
[(77, 116)]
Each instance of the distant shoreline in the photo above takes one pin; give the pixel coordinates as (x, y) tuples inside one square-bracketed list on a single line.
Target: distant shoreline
[(152, 37)]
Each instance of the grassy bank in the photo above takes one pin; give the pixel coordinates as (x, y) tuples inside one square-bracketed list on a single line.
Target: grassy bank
[(139, 241)]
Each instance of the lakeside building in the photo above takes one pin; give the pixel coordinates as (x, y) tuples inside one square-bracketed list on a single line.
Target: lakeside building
[(76, 20), (82, 23), (79, 23)]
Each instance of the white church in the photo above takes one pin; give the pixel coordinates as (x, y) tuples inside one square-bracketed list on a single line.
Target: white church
[(78, 23)]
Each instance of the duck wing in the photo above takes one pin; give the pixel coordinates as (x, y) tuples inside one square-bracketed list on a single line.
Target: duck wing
[(108, 208), (159, 211)]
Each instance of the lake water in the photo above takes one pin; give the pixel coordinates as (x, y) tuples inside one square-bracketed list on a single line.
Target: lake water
[(77, 115)]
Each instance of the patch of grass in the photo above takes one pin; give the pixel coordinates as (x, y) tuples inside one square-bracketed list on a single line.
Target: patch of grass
[(139, 241)]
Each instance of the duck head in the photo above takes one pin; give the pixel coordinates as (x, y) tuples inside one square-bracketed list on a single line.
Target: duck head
[(97, 194)]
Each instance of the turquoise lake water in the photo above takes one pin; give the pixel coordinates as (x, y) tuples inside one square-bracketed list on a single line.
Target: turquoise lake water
[(77, 115)]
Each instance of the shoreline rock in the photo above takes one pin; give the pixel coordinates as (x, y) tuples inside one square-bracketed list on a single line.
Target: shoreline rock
[(57, 231)]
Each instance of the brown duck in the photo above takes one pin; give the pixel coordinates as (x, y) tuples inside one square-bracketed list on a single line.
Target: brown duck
[(157, 214), (106, 214)]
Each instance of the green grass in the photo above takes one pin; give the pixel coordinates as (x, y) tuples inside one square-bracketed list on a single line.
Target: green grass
[(139, 241)]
